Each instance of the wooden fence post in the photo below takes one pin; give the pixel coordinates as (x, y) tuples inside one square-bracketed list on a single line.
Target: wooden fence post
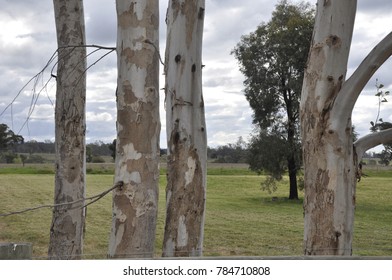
[(16, 251)]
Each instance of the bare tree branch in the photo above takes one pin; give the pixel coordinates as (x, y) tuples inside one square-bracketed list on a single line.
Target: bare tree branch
[(93, 199), (35, 77), (372, 140), (353, 87), (39, 76)]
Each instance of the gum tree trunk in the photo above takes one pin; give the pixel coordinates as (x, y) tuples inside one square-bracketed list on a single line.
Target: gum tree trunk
[(331, 160), (138, 127), (66, 233), (186, 130)]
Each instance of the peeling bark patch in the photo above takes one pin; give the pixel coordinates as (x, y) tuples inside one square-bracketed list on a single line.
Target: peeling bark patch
[(123, 222), (189, 12), (140, 58), (182, 233), (64, 229), (191, 171), (185, 206), (127, 93), (67, 227), (170, 247), (130, 152), (137, 14), (146, 117), (135, 178), (322, 178)]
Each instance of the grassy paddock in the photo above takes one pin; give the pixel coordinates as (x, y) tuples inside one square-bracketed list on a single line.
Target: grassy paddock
[(241, 220)]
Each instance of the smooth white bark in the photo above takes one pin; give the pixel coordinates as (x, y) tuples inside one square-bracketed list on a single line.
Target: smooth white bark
[(353, 87), (372, 140)]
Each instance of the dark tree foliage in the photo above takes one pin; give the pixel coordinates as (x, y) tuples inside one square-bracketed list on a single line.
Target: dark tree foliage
[(32, 147), (112, 148), (8, 138), (8, 141), (231, 153), (272, 60)]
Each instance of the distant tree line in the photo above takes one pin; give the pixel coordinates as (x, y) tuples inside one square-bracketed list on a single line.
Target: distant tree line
[(230, 153), (14, 149)]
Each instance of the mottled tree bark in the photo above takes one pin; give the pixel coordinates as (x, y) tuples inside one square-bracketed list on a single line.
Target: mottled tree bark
[(138, 129), (186, 130), (66, 233), (331, 161)]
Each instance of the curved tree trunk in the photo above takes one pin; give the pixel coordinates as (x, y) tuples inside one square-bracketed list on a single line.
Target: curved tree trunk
[(329, 160), (66, 233), (138, 127), (186, 130)]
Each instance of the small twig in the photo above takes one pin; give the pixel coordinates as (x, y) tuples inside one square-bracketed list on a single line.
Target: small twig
[(36, 78), (93, 199)]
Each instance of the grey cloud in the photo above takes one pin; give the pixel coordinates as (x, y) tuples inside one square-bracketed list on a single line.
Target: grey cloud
[(101, 25), (226, 21), (374, 6)]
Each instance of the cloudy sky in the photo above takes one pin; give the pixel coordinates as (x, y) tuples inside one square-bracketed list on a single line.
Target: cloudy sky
[(28, 39)]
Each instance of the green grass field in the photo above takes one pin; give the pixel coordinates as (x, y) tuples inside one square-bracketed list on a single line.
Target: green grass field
[(241, 220)]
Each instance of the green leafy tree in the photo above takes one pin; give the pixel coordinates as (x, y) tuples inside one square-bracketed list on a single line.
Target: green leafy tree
[(8, 138), (272, 60), (89, 154)]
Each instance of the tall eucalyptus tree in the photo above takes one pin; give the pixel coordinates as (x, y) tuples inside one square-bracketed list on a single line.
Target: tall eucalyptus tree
[(331, 159), (135, 201), (186, 130), (66, 232)]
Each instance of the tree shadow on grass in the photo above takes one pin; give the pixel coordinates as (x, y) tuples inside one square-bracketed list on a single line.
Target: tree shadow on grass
[(274, 200)]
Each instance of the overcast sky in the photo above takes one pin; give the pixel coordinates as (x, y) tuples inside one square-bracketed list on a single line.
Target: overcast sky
[(28, 39)]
